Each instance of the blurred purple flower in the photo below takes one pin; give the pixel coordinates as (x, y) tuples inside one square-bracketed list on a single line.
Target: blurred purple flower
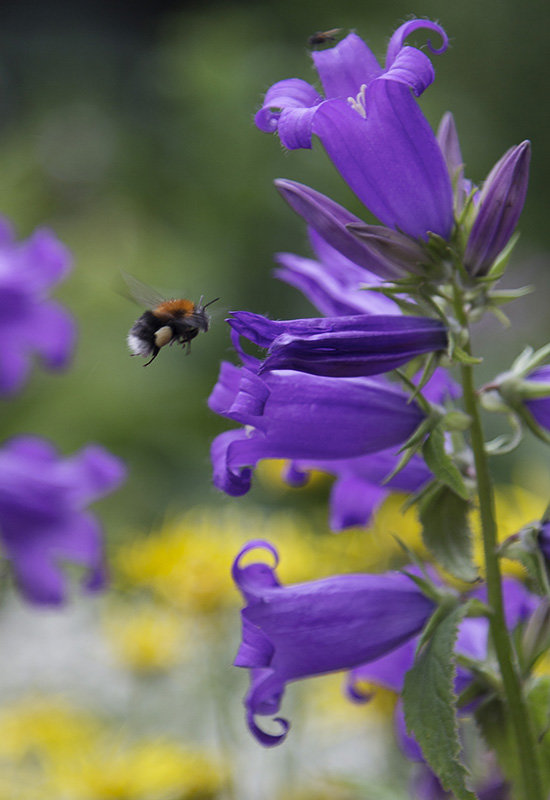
[(299, 416), (293, 632), (43, 519), (30, 323), (372, 128), (349, 346)]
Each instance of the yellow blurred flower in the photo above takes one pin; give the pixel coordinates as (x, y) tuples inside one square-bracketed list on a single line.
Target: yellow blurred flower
[(146, 770), (187, 563), (146, 638), (69, 753), (515, 508)]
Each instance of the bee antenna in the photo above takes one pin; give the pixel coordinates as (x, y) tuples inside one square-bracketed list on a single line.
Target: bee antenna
[(210, 302)]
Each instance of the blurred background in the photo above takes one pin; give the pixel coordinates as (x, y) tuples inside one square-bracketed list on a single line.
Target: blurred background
[(127, 128)]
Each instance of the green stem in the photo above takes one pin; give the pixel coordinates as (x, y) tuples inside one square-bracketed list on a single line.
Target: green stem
[(528, 766)]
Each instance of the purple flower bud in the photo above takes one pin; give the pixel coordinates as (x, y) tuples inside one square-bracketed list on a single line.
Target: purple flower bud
[(499, 207), (43, 516), (30, 324), (349, 346), (539, 407), (294, 632), (299, 416)]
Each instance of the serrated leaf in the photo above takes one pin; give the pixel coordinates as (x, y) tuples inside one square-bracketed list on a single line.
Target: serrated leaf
[(441, 463), (428, 698), (446, 533)]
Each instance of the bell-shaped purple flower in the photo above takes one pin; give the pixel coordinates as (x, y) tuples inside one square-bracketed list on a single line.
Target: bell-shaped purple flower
[(43, 516), (472, 641), (332, 282), (299, 416), (380, 251), (348, 346), (372, 129), (308, 629), (360, 486), (498, 209), (30, 324)]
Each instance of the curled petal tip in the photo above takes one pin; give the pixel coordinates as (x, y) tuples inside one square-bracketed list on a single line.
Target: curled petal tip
[(254, 544)]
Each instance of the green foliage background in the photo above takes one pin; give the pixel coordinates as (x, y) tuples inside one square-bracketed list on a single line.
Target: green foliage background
[(128, 129)]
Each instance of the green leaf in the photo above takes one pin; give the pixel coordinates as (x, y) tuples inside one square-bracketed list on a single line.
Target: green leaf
[(441, 463), (428, 699), (446, 533)]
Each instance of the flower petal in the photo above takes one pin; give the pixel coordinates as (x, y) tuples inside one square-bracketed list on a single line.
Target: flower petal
[(343, 69), (331, 221), (288, 107), (391, 159)]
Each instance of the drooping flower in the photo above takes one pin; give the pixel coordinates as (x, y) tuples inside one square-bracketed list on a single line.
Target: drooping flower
[(372, 128), (499, 206), (381, 251), (43, 516), (299, 416), (360, 486), (472, 641), (345, 346), (333, 283), (30, 323), (307, 629)]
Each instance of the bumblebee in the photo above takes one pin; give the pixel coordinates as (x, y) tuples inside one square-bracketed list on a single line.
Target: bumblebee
[(322, 37), (164, 322)]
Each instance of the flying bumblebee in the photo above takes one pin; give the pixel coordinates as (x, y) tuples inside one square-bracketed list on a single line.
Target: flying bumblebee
[(322, 37), (165, 321)]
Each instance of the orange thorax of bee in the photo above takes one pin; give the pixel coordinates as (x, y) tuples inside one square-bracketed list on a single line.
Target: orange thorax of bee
[(175, 308)]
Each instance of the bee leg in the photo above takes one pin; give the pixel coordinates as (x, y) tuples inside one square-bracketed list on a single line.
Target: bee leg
[(156, 351)]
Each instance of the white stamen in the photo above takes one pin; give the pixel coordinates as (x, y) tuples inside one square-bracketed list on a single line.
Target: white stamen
[(359, 103)]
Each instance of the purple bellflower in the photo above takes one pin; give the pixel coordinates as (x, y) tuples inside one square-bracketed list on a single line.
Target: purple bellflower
[(372, 128), (307, 629), (43, 519), (295, 415), (379, 250), (332, 282), (30, 323), (360, 486), (472, 641), (349, 346)]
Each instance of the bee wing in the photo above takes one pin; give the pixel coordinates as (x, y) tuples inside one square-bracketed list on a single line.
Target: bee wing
[(141, 293)]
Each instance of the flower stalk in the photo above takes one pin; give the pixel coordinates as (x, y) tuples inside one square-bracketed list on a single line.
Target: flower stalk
[(529, 780)]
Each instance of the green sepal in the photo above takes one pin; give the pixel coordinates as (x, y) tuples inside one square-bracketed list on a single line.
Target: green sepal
[(460, 355), (446, 532), (456, 421), (429, 704), (502, 296), (499, 265), (442, 465)]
